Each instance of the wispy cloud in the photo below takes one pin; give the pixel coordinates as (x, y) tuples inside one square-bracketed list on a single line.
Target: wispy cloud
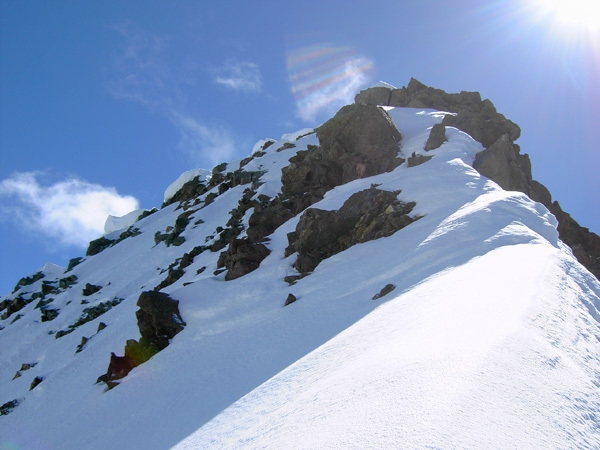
[(202, 143), (143, 75), (239, 76), (72, 211)]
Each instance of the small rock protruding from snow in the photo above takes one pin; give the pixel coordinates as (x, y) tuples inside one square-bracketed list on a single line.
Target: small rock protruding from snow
[(203, 174)]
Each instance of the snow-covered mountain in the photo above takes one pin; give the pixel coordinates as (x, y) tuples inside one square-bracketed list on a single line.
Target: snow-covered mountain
[(341, 287)]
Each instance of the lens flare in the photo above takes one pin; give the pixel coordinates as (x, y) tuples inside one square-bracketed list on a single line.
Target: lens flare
[(323, 77)]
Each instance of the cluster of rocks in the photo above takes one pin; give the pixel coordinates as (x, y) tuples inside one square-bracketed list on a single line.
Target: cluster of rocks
[(158, 320), (367, 215), (501, 161), (358, 142)]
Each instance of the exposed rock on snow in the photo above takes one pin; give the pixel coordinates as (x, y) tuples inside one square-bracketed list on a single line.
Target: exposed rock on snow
[(159, 321), (358, 142), (158, 318), (242, 257), (437, 137), (366, 215)]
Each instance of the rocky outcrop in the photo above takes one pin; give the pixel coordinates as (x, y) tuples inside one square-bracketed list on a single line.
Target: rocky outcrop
[(472, 115), (501, 161), (437, 137), (504, 164), (359, 141), (158, 318), (159, 321), (366, 215), (242, 257), (584, 243), (90, 289)]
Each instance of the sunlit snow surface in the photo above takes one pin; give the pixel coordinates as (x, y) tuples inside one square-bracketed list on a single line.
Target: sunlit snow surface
[(490, 339)]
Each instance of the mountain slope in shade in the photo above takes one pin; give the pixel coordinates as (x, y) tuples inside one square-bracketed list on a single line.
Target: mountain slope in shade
[(487, 335)]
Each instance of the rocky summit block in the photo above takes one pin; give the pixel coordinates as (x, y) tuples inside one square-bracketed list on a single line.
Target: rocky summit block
[(358, 142)]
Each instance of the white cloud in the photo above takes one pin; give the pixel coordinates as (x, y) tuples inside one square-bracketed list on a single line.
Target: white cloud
[(71, 211), (239, 76)]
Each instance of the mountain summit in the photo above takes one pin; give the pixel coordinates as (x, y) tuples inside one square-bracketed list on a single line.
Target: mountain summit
[(394, 278)]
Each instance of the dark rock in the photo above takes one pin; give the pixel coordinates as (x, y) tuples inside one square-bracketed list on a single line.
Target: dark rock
[(36, 381), (358, 142), (584, 243), (8, 407), (82, 344), (266, 218), (384, 291), (503, 164), (26, 281), (101, 326), (471, 115), (416, 160), (49, 288), (374, 96), (65, 283), (172, 277), (73, 262), (98, 245), (291, 298), (242, 257), (190, 190), (436, 138), (12, 306), (158, 318), (118, 368), (48, 314), (90, 289), (366, 215)]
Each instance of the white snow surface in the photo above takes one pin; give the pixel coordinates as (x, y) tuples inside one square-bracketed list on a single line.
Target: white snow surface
[(491, 338), (114, 223)]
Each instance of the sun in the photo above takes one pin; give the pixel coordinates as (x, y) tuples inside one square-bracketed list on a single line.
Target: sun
[(571, 15)]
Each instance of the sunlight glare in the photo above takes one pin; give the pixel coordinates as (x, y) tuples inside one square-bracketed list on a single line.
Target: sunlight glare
[(573, 13)]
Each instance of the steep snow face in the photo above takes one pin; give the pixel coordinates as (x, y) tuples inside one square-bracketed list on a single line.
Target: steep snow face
[(483, 355), (490, 338)]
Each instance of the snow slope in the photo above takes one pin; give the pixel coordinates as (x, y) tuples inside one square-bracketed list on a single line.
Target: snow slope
[(491, 338)]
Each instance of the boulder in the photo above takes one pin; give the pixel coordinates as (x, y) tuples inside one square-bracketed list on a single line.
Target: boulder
[(158, 318), (242, 257), (437, 137), (90, 289)]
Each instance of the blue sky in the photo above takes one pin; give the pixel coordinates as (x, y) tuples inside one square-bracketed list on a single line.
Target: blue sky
[(104, 104)]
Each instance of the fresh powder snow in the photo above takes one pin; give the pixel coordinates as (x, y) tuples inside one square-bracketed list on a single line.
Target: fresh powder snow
[(490, 339)]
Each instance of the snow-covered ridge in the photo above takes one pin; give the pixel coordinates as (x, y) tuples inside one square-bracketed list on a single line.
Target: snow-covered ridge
[(489, 337)]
